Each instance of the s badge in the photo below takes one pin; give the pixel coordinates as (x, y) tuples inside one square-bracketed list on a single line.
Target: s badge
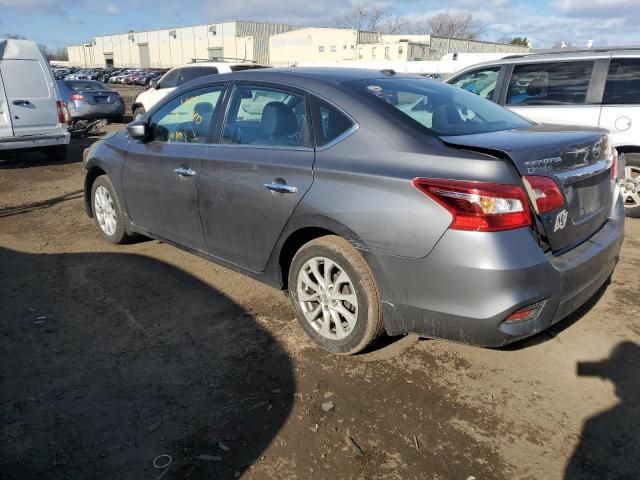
[(561, 220)]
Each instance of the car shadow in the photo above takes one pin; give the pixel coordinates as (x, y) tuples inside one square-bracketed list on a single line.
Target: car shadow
[(108, 360), (609, 446)]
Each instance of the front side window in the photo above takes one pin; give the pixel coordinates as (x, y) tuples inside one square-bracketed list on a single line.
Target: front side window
[(187, 118), (328, 122), (563, 83), (442, 108), (170, 79), (191, 73), (623, 82), (266, 116), (482, 82)]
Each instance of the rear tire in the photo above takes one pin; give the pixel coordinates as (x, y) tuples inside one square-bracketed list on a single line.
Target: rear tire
[(107, 211), (138, 112), (338, 306), (631, 185), (57, 153)]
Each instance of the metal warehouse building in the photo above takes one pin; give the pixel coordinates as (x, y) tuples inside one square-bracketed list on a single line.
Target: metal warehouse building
[(232, 41), (269, 44)]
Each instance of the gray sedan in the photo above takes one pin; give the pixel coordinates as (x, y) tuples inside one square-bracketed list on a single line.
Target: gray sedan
[(90, 100), (379, 201)]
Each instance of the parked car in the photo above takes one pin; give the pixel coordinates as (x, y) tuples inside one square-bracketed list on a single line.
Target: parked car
[(380, 201), (90, 100), (32, 114), (179, 75), (595, 88)]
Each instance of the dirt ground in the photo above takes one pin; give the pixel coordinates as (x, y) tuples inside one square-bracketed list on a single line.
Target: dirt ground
[(111, 356)]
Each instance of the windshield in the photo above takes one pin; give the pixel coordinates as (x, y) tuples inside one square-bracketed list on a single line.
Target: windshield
[(442, 108), (85, 85)]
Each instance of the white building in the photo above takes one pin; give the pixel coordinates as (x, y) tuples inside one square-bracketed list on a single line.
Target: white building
[(235, 41), (268, 44)]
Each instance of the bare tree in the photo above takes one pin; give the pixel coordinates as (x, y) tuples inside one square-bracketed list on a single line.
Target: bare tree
[(454, 25), (373, 18)]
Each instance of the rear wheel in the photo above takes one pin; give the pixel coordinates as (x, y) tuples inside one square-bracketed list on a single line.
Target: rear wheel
[(631, 185), (335, 296), (107, 211)]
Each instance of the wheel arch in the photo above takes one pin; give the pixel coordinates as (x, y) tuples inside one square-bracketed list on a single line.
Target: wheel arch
[(93, 173)]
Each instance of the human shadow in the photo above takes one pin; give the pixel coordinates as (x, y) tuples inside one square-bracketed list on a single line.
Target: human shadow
[(609, 446), (109, 360)]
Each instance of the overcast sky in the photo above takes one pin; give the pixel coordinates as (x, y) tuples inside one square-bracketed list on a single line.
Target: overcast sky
[(65, 22)]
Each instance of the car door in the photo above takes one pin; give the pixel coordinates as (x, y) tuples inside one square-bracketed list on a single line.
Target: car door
[(31, 97), (252, 180), (554, 92), (621, 101), (160, 176)]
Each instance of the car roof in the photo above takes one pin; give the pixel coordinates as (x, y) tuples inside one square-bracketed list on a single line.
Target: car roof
[(557, 55), (307, 76)]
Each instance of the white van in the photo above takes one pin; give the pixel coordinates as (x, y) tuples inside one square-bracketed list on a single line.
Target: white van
[(31, 112)]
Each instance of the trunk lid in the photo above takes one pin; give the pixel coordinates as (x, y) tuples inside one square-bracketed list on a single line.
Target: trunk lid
[(99, 97), (578, 159)]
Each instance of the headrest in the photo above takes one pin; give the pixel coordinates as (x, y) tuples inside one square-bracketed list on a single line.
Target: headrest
[(444, 116), (278, 119), (203, 108), (535, 87)]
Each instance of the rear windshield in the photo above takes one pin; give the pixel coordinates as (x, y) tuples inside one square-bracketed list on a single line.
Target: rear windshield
[(85, 85), (442, 108)]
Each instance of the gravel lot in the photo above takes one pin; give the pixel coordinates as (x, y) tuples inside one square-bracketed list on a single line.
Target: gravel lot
[(111, 356)]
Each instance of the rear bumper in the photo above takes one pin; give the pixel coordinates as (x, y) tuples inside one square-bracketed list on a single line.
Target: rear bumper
[(20, 143), (91, 112), (472, 281)]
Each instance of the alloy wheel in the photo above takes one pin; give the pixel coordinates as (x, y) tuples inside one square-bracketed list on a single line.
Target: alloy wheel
[(327, 298), (631, 187), (105, 211)]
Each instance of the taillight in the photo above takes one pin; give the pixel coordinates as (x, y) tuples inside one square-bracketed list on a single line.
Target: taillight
[(614, 164), (62, 114), (546, 193), (77, 96), (479, 206)]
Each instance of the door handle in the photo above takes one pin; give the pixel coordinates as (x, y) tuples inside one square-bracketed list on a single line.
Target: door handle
[(280, 187), (21, 102), (184, 172)]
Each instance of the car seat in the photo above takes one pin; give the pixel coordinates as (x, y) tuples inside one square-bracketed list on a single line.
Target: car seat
[(278, 125)]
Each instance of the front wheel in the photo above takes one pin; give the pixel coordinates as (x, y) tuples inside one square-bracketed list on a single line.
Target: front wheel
[(335, 296), (631, 185), (107, 211)]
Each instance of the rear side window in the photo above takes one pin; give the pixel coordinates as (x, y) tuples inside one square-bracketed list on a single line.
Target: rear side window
[(328, 122), (563, 83), (481, 82), (239, 68), (24, 79), (623, 82)]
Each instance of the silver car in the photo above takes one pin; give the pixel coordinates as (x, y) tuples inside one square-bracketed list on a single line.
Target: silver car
[(379, 201)]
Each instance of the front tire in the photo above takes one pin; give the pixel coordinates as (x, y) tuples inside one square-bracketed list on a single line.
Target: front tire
[(334, 295), (107, 211), (631, 185)]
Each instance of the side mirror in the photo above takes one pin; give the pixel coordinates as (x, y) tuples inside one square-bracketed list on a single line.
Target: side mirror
[(138, 130), (154, 83)]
